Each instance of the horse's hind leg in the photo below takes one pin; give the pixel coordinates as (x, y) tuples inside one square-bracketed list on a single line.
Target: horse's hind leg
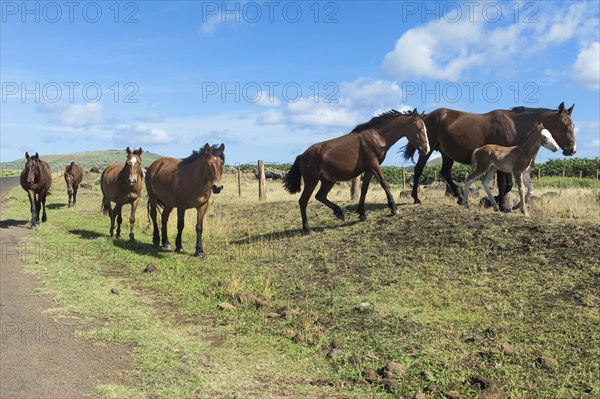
[(421, 162), (75, 188), (180, 225), (446, 173), (386, 187), (321, 196), (152, 205), (33, 207), (470, 179), (118, 211), (200, 217), (310, 183), (164, 220), (486, 185), (504, 187), (134, 206), (363, 194)]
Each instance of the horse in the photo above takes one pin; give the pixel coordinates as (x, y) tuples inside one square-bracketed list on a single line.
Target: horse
[(122, 184), (347, 156), (184, 184), (517, 160), (455, 134), (36, 180), (73, 177)]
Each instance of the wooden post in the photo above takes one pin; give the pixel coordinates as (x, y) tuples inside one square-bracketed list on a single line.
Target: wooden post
[(581, 174), (355, 188), (435, 175), (539, 173), (597, 174), (563, 173), (239, 176), (403, 180), (262, 191)]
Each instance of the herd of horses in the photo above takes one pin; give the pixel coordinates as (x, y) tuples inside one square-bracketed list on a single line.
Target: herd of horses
[(502, 142)]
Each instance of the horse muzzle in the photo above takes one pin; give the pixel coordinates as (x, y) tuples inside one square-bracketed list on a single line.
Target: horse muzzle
[(570, 151), (424, 150), (132, 182), (217, 189)]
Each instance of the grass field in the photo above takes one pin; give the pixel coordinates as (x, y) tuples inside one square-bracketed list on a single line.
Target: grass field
[(450, 294)]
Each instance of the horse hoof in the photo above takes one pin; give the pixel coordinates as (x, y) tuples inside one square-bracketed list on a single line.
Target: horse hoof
[(307, 231), (44, 218), (460, 201), (179, 250), (131, 239), (200, 254), (167, 247), (395, 212), (340, 216), (362, 217), (156, 244), (417, 201)]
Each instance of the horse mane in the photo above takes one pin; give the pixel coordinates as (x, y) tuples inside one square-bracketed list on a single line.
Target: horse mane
[(378, 119), (522, 110), (214, 149)]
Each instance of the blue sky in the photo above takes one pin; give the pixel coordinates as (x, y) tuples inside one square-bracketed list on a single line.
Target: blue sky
[(270, 78)]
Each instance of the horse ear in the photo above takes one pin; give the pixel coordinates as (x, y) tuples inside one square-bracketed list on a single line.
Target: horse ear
[(128, 150), (561, 107), (139, 151), (27, 155), (571, 109), (222, 147), (207, 148), (72, 163), (36, 156), (422, 114), (414, 111)]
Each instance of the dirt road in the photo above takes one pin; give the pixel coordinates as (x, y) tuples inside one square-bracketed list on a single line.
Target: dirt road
[(41, 357)]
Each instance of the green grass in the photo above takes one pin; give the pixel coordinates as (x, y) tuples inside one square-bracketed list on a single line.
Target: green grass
[(436, 278)]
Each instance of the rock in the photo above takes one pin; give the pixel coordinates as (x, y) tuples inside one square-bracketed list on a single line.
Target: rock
[(390, 385), (569, 244), (114, 291), (508, 349), (95, 169), (87, 186), (433, 388), (428, 375), (473, 339), (354, 360), (263, 301), (420, 395), (370, 375), (550, 194), (299, 338), (335, 353), (452, 394), (395, 368), (493, 330), (152, 268), (369, 357), (486, 387), (547, 362), (208, 293), (287, 313), (225, 306), (245, 297), (362, 306), (336, 343)]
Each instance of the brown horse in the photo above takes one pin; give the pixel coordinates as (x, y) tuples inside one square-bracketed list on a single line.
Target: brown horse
[(455, 134), (184, 184), (36, 179), (516, 160), (73, 177), (122, 184), (347, 156)]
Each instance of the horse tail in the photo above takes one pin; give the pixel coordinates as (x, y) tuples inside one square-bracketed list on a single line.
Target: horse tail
[(291, 181), (105, 207), (409, 151)]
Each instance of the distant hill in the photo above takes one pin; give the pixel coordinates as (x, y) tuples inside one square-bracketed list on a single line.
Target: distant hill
[(86, 159)]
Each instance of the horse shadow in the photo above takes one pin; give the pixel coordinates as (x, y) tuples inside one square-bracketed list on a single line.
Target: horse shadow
[(5, 224), (55, 206), (140, 248), (86, 234), (279, 235)]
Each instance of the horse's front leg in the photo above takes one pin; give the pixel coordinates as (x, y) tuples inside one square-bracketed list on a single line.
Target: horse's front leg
[(419, 167), (519, 181), (33, 208), (486, 185), (446, 173), (43, 203), (363, 194), (201, 213), (134, 206), (180, 225), (118, 211), (75, 188), (386, 187)]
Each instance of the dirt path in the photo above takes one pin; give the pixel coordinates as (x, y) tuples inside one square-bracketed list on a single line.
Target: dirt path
[(40, 357)]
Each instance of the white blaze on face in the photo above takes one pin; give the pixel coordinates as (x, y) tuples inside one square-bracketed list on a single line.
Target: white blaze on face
[(133, 160), (550, 143), (425, 130)]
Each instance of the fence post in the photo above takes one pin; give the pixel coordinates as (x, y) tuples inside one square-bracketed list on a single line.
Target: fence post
[(435, 175), (563, 173), (239, 176), (597, 174), (355, 188), (539, 173), (581, 174), (262, 192), (403, 180)]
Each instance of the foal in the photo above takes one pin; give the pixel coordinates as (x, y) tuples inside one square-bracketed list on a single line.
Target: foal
[(516, 160)]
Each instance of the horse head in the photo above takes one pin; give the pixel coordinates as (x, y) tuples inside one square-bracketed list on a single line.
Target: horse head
[(562, 128), (545, 137), (214, 159), (134, 164), (418, 134), (32, 167)]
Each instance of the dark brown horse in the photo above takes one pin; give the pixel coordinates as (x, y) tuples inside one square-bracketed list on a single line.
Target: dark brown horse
[(73, 177), (346, 157), (184, 184), (455, 134), (122, 184), (36, 179)]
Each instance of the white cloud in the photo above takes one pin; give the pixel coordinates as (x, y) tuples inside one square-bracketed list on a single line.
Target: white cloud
[(587, 67), (447, 50), (142, 134), (74, 115), (595, 144)]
